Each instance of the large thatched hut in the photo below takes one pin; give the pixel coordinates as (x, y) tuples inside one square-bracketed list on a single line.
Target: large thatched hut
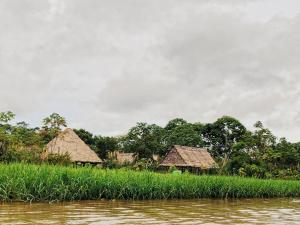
[(68, 142), (191, 158)]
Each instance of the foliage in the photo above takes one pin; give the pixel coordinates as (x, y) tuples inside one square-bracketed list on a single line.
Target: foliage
[(104, 145), (238, 151), (111, 164), (222, 135), (20, 143), (24, 182), (100, 144), (25, 155), (145, 164), (5, 117), (59, 159), (172, 169), (179, 132), (172, 124), (52, 125), (144, 140)]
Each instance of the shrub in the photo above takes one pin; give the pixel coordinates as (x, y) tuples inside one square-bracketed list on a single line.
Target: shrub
[(60, 159)]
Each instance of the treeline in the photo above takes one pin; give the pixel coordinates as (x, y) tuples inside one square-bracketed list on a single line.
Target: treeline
[(237, 150)]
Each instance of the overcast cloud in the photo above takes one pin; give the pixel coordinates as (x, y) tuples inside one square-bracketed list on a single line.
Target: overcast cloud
[(106, 65)]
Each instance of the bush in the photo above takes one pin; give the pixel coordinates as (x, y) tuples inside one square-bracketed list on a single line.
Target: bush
[(145, 164), (60, 159), (26, 155)]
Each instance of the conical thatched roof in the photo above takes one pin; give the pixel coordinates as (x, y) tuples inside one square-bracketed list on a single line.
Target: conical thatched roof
[(69, 142), (183, 156)]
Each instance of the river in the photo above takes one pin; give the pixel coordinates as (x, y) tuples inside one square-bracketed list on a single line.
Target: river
[(204, 211)]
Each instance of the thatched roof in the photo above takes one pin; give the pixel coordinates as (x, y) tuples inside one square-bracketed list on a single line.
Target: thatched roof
[(69, 142), (125, 157), (183, 156)]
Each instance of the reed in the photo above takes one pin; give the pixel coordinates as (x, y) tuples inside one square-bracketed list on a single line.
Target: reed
[(27, 182)]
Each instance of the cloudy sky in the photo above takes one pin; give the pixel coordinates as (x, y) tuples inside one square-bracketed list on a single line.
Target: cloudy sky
[(105, 65)]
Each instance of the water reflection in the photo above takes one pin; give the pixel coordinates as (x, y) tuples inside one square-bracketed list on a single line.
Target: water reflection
[(206, 211)]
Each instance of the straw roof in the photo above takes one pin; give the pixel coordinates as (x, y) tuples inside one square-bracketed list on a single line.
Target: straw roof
[(183, 156), (125, 157), (69, 142)]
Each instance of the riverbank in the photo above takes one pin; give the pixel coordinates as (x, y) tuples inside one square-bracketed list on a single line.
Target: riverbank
[(25, 182)]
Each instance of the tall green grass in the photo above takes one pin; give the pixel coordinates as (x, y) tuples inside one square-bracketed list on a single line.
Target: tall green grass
[(24, 182)]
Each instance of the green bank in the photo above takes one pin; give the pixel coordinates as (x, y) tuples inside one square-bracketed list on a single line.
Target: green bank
[(27, 182)]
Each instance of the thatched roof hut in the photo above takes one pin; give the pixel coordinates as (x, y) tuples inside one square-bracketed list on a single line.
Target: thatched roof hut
[(189, 157), (69, 142), (122, 157)]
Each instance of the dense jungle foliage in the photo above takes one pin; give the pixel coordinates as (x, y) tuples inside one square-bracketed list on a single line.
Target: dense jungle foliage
[(237, 150)]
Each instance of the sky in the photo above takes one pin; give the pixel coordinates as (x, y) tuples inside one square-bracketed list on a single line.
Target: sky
[(107, 64)]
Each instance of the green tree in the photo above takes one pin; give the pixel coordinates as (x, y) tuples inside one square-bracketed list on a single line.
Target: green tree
[(22, 135), (5, 117), (172, 124), (144, 140), (87, 137), (179, 132), (100, 144), (105, 144), (5, 129), (221, 135), (264, 140), (52, 125)]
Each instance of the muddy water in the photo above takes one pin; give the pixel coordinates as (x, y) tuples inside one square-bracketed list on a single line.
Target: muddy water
[(252, 211)]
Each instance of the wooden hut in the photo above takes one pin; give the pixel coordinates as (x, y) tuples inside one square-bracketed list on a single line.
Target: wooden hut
[(68, 142), (190, 158)]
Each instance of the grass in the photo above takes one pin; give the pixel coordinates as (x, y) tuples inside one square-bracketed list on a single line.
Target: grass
[(24, 182)]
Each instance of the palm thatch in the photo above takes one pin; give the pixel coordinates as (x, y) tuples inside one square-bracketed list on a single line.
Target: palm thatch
[(68, 142), (183, 156)]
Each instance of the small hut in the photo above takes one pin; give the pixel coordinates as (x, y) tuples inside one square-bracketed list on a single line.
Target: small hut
[(190, 158), (68, 142), (122, 157)]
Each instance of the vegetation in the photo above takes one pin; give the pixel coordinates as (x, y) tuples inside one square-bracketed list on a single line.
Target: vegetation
[(20, 143), (23, 182), (237, 150)]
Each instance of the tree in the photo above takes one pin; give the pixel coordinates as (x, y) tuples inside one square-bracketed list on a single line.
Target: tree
[(222, 135), (263, 138), (5, 117), (144, 140), (22, 135), (52, 125), (179, 132), (101, 145), (5, 128), (87, 137), (175, 123), (105, 144)]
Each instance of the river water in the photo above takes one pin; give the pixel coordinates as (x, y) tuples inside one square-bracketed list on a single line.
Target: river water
[(204, 211)]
